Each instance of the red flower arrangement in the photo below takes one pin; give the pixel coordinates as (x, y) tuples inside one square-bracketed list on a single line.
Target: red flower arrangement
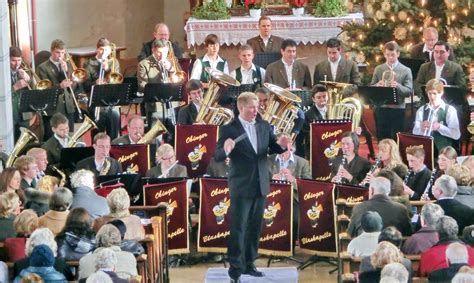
[(253, 4), (297, 3)]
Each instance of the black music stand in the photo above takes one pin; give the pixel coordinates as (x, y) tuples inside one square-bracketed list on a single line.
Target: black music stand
[(40, 101), (132, 81), (263, 59), (377, 96), (131, 183), (164, 93), (229, 96), (70, 156), (110, 95), (413, 64)]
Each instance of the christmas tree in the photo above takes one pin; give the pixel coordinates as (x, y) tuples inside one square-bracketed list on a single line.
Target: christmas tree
[(404, 22)]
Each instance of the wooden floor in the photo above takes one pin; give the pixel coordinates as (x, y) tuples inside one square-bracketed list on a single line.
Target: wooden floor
[(196, 273)]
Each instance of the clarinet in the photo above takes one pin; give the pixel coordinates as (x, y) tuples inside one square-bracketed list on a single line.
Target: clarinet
[(343, 162), (407, 177), (374, 167), (425, 195)]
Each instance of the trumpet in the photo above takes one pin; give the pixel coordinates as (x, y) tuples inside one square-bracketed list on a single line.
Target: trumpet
[(37, 82), (431, 120)]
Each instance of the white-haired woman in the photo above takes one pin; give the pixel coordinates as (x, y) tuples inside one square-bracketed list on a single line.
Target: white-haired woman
[(42, 236), (119, 204)]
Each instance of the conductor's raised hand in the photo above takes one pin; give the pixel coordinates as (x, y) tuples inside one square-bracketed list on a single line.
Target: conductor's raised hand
[(229, 145)]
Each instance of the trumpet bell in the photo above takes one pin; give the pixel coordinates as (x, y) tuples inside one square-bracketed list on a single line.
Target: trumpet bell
[(86, 126), (25, 138), (114, 78), (44, 84), (79, 75)]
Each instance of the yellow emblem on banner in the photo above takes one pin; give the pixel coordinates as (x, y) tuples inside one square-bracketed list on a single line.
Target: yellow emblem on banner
[(332, 150), (220, 210), (313, 214), (196, 155), (270, 213), (170, 208)]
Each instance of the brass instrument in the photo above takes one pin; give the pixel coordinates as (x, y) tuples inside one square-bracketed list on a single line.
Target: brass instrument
[(114, 77), (25, 138), (179, 75), (157, 129), (86, 126), (106, 167), (432, 117), (37, 82), (210, 112), (78, 75), (387, 77), (281, 111), (348, 108), (62, 182)]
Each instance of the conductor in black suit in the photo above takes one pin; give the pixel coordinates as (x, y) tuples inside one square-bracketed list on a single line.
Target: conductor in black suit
[(249, 181)]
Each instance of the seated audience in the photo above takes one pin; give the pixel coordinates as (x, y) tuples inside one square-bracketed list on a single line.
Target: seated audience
[(9, 208), (77, 237), (3, 272), (41, 262), (392, 213), (469, 163), (36, 199), (82, 182), (462, 176), (427, 236), (366, 243), (59, 204), (435, 257), (457, 257), (444, 190), (106, 261), (396, 188), (25, 224), (371, 267), (98, 277), (468, 235), (132, 246), (396, 271), (42, 236), (109, 237), (119, 203), (465, 275), (10, 180), (167, 164)]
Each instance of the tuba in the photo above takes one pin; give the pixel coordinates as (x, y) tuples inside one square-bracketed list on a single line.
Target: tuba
[(114, 77), (210, 112), (25, 138), (157, 129), (348, 108), (86, 126), (281, 111), (179, 75)]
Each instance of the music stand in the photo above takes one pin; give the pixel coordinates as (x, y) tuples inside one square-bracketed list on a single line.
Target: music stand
[(229, 96), (378, 96), (413, 64), (40, 101), (164, 93), (305, 96), (110, 95), (138, 196), (70, 156), (263, 59), (130, 182), (132, 81)]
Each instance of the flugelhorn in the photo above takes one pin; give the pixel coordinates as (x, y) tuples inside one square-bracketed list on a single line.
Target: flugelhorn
[(86, 126), (25, 138)]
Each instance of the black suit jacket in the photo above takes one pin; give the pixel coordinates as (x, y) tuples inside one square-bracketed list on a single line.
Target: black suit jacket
[(89, 164), (53, 150), (358, 168), (273, 45), (463, 214), (248, 174), (187, 114), (146, 50), (418, 182), (445, 274), (416, 52)]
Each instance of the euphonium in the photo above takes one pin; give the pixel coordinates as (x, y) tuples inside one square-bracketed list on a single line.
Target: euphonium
[(210, 112), (281, 111), (179, 75), (86, 126), (78, 75), (37, 82), (25, 138), (387, 77), (157, 129), (348, 108), (114, 77)]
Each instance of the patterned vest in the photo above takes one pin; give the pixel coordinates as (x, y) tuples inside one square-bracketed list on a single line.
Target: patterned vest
[(204, 75), (256, 76), (440, 141)]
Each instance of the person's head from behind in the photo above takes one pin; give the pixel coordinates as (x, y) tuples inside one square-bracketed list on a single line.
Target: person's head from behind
[(469, 163), (212, 45), (26, 222), (385, 253), (395, 270), (263, 95), (415, 157), (460, 173), (105, 259), (430, 214), (61, 199), (396, 183), (288, 51), (59, 125), (195, 91), (108, 236), (119, 202), (82, 178), (468, 235), (41, 236), (99, 277), (265, 26), (333, 49), (445, 187), (447, 228), (379, 186), (320, 95), (9, 204), (247, 103), (371, 221), (456, 253), (246, 55), (392, 235), (42, 256), (31, 278), (78, 222)]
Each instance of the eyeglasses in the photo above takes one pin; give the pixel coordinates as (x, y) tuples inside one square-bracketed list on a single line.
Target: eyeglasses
[(167, 158)]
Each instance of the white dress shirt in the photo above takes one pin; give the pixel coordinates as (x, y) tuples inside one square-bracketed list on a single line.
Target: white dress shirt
[(450, 129), (249, 128), (198, 69)]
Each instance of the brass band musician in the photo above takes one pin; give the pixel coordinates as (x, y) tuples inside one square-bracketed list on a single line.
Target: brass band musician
[(101, 163), (136, 130), (60, 139)]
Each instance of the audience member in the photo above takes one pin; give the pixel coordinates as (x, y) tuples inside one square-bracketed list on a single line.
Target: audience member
[(395, 270), (468, 235), (9, 208), (366, 243), (106, 261), (462, 176), (41, 262), (59, 204), (25, 224), (82, 182), (457, 257), (10, 180)]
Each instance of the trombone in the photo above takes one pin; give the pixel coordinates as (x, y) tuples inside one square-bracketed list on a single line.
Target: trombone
[(114, 77), (78, 75), (179, 75), (37, 82)]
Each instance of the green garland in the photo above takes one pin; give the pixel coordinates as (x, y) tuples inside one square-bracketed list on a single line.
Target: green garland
[(329, 8), (214, 10)]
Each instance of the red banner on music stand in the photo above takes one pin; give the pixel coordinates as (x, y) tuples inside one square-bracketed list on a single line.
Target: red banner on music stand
[(276, 238), (325, 144), (135, 158), (105, 190), (405, 140), (351, 194), (316, 222), (195, 146), (176, 196), (214, 216)]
